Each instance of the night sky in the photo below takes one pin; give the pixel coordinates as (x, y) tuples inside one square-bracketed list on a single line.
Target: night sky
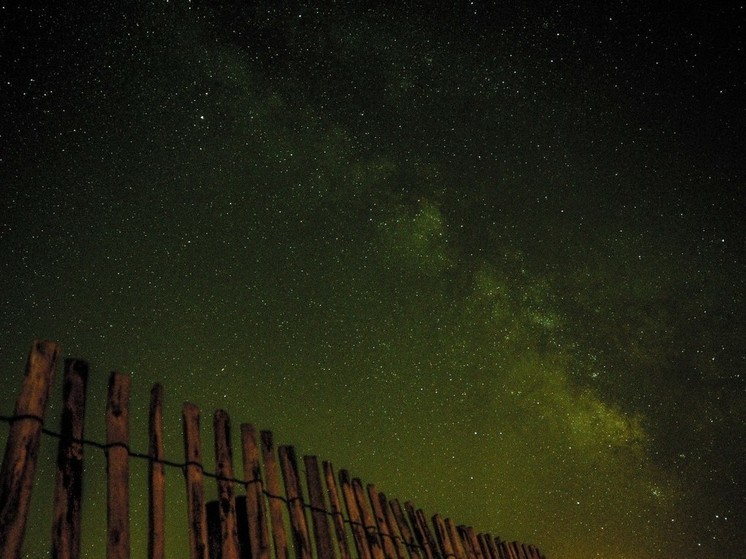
[(487, 256)]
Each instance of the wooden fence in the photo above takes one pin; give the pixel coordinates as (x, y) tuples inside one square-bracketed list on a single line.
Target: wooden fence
[(248, 526)]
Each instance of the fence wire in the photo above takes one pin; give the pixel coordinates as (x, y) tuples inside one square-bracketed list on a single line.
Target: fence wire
[(9, 419)]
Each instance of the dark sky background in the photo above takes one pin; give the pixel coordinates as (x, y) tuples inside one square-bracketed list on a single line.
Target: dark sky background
[(487, 256)]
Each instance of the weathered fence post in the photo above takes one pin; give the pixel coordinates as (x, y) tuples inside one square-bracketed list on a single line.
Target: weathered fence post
[(318, 509), (374, 542), (495, 547), (404, 529), (394, 530), (273, 487), (422, 532), (353, 513), (502, 548), (22, 446), (484, 545), (441, 533), (194, 483), (69, 479), (156, 477), (387, 541), (256, 511), (463, 539), (458, 545), (335, 505), (298, 524), (226, 493), (117, 467)]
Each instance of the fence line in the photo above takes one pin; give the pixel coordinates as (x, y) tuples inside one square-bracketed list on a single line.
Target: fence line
[(221, 529)]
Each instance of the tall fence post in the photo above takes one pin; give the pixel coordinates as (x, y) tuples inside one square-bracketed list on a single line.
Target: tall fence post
[(22, 446), (321, 534), (156, 477), (273, 487), (387, 542), (484, 545), (422, 532), (298, 524), (394, 529), (371, 533), (226, 493), (405, 530), (441, 533), (337, 516), (117, 467), (69, 478), (353, 513), (458, 545), (256, 510), (195, 486)]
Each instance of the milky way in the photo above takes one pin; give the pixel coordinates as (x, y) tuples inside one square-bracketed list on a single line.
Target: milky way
[(488, 259)]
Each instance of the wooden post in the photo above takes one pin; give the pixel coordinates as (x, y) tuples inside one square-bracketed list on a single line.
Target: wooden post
[(504, 550), (441, 534), (405, 529), (273, 487), (69, 479), (353, 513), (156, 477), (256, 511), (379, 515), (226, 493), (22, 446), (488, 546), (371, 533), (466, 545), (321, 534), (298, 524), (195, 488), (471, 538), (117, 467), (430, 545), (458, 546), (336, 510), (394, 530)]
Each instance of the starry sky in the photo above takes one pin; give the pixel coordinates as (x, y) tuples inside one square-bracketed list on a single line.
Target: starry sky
[(488, 256)]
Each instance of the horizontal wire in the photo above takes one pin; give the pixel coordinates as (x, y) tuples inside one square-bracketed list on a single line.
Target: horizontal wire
[(184, 465)]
